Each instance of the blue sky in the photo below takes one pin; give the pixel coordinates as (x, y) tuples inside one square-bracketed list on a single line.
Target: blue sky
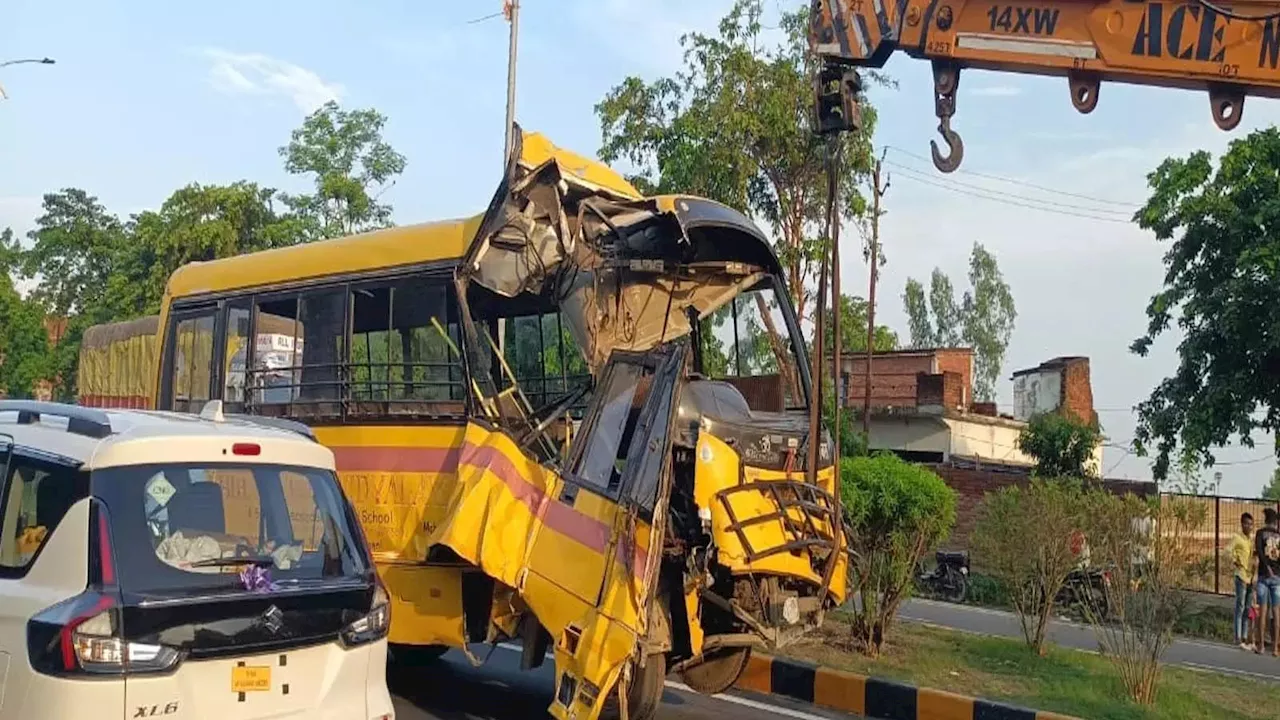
[(147, 96)]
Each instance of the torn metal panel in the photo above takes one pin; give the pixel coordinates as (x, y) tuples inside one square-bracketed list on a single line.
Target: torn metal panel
[(625, 272)]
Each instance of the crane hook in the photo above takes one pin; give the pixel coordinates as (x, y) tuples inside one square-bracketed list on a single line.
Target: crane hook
[(947, 163)]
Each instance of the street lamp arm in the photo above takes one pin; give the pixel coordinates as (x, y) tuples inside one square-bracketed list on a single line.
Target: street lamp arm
[(38, 61)]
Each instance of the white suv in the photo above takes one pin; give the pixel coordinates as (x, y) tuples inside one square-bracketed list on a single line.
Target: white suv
[(162, 565)]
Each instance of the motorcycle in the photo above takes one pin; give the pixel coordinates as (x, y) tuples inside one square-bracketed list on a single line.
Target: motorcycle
[(1084, 589), (949, 578)]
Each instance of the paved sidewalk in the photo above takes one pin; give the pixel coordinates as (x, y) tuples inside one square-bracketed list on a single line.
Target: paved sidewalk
[(1202, 655)]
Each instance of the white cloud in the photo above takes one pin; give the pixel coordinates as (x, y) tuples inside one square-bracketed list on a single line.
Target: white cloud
[(996, 91), (257, 74)]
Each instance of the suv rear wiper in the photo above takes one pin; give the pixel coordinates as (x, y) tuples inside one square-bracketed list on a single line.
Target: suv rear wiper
[(258, 560)]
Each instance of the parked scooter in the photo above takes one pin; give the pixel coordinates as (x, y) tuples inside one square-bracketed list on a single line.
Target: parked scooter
[(1086, 587), (949, 579)]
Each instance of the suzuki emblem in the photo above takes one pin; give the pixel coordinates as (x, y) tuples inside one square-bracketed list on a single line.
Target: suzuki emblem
[(273, 619)]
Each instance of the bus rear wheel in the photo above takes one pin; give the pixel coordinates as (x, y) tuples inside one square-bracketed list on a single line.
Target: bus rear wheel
[(645, 693), (718, 671)]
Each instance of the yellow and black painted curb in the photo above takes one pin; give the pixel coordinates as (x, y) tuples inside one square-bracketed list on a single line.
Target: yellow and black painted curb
[(871, 697)]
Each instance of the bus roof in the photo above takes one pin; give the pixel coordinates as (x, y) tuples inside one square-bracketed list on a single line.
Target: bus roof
[(406, 245)]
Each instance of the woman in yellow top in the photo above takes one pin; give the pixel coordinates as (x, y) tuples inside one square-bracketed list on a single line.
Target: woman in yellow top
[(1241, 548)]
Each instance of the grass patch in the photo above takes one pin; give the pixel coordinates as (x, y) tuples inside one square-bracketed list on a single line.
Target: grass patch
[(1066, 681)]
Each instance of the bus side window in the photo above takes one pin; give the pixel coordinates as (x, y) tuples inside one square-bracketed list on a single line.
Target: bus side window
[(192, 363), (404, 349), (234, 358)]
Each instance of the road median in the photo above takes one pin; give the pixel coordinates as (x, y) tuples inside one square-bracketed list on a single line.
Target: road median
[(874, 698)]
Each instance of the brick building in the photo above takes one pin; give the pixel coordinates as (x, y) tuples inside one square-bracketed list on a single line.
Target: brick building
[(1061, 384), (922, 405)]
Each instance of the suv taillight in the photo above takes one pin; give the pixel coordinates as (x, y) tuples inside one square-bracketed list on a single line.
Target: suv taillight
[(82, 635), (372, 626)]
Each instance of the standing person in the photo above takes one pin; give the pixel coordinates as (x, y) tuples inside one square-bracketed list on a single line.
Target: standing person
[(1241, 548), (1266, 545)]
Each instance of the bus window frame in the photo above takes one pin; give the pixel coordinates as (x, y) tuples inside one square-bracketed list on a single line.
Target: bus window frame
[(451, 305), (177, 315), (219, 303)]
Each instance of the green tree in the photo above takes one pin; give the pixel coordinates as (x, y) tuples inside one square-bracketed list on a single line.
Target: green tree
[(1061, 445), (896, 512), (1272, 490), (853, 329), (197, 223), (689, 133), (10, 254), (352, 166), (1188, 476), (983, 318), (24, 345), (74, 248), (1222, 284)]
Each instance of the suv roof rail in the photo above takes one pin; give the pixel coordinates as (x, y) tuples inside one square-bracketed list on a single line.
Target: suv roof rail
[(88, 422), (212, 411)]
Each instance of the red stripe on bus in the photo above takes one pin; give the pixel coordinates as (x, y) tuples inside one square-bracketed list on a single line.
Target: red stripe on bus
[(564, 519), (577, 526)]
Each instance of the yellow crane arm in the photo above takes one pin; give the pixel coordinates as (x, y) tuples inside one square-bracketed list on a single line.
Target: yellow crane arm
[(1231, 50)]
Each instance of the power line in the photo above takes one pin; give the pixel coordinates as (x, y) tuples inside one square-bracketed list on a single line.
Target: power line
[(490, 16), (1023, 198), (1261, 458), (986, 195), (1023, 183)]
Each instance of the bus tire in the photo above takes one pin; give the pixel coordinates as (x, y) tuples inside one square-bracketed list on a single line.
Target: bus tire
[(415, 655), (645, 694), (718, 671)]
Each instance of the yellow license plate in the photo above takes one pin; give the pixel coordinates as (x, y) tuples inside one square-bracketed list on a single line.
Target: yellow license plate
[(250, 679)]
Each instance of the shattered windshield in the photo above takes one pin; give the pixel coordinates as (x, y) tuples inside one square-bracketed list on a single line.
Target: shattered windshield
[(748, 343)]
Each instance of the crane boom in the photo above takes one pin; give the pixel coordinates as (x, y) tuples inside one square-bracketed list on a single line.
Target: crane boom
[(1230, 50)]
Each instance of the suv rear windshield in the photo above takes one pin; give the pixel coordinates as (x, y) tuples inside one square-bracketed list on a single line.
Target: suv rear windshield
[(176, 529)]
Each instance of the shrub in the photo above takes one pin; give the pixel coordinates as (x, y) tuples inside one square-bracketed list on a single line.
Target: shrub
[(988, 591), (1145, 545), (896, 513), (1024, 539)]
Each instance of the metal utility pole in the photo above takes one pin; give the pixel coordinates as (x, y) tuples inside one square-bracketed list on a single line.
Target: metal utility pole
[(511, 8), (873, 250), (833, 222)]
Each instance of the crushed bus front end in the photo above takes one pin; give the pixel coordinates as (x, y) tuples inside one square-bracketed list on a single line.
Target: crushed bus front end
[(684, 519)]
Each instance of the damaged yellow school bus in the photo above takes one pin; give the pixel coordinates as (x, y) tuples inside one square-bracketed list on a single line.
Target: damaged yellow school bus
[(578, 421)]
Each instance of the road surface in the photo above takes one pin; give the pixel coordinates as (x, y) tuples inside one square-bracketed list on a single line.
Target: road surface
[(1202, 655), (453, 690)]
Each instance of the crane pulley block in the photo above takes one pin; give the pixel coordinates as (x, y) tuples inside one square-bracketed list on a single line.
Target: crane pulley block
[(1228, 50)]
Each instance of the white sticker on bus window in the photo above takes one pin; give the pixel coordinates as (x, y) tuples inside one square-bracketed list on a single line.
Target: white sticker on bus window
[(161, 490)]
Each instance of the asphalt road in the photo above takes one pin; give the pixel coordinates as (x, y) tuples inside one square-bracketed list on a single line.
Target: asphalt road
[(1191, 653), (453, 690)]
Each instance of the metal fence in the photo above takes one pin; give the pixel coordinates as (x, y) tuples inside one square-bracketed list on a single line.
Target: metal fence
[(1213, 537)]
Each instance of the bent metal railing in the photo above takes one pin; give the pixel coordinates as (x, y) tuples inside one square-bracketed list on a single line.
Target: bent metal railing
[(805, 512)]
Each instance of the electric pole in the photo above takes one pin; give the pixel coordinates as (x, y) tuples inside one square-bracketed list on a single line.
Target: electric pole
[(873, 251), (833, 188), (511, 8)]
